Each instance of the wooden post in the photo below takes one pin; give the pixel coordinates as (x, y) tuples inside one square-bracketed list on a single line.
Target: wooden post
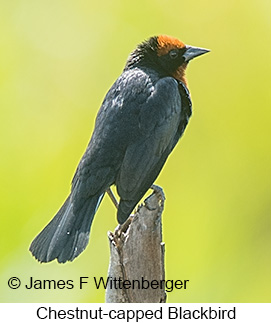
[(137, 255)]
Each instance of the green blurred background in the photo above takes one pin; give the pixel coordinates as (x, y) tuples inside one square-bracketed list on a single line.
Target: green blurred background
[(58, 58)]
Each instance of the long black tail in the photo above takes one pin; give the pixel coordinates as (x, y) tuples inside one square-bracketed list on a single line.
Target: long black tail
[(67, 235)]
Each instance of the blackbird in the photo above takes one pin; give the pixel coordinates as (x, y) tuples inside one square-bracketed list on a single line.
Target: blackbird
[(141, 119)]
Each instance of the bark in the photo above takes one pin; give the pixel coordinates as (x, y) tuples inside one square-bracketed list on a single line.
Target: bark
[(137, 254)]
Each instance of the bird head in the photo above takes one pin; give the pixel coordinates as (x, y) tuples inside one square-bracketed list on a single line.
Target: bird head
[(167, 55)]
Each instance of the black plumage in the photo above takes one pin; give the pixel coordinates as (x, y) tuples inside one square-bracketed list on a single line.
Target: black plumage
[(140, 121)]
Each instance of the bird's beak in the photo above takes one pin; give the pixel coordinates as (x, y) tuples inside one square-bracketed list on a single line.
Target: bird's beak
[(192, 52)]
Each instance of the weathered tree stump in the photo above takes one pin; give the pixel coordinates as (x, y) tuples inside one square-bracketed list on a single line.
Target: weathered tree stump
[(137, 255)]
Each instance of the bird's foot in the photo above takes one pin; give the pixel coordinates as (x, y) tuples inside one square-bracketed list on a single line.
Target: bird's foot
[(158, 191), (121, 230)]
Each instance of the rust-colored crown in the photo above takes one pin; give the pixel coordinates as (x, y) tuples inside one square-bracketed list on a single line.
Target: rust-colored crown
[(167, 43)]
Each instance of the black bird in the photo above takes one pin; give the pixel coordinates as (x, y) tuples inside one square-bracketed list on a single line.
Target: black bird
[(141, 119)]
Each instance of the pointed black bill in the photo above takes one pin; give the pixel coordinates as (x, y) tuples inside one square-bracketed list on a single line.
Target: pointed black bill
[(192, 52)]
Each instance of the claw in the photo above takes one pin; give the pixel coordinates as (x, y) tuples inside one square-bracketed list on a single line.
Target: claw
[(158, 191)]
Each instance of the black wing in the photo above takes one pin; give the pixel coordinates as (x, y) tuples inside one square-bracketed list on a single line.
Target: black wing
[(159, 124), (136, 128), (116, 128)]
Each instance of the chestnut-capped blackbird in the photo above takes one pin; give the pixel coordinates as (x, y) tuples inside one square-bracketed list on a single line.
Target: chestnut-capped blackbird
[(141, 119)]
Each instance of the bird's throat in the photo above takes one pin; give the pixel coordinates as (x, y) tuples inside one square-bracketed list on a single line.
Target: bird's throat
[(179, 74)]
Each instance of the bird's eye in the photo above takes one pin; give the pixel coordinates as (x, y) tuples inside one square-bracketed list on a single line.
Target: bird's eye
[(173, 53)]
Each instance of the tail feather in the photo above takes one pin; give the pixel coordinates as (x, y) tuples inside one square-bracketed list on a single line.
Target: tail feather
[(67, 235)]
